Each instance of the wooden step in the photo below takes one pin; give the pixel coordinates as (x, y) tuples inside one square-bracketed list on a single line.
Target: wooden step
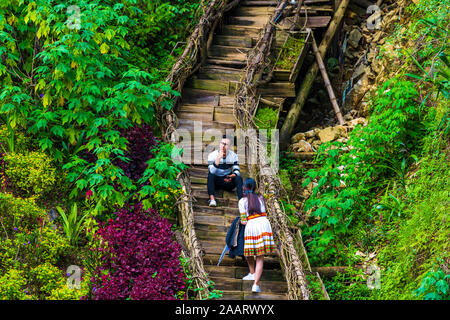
[(222, 210), (233, 41), (241, 30), (199, 116), (196, 108), (270, 262), (206, 125), (213, 221), (201, 226), (211, 235), (237, 272), (225, 283), (218, 86), (272, 89), (260, 21), (268, 11), (222, 61), (216, 72), (221, 51), (248, 295)]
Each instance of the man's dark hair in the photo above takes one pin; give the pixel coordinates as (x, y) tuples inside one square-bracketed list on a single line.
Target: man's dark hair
[(226, 136)]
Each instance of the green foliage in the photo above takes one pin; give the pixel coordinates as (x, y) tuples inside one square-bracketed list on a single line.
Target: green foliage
[(31, 252), (161, 187), (191, 291), (266, 118), (435, 285), (73, 89), (392, 132), (14, 141), (290, 51), (12, 285), (71, 224), (30, 174), (350, 285)]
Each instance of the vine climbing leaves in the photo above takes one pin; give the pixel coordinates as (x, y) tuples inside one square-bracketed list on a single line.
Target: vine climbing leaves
[(74, 88)]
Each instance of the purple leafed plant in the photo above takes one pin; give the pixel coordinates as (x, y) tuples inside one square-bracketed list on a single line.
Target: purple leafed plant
[(140, 142), (140, 259)]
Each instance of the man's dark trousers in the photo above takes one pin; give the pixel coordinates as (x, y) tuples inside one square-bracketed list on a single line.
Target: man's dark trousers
[(218, 182)]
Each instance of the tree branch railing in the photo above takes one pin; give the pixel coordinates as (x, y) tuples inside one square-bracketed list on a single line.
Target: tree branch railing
[(246, 104), (186, 65)]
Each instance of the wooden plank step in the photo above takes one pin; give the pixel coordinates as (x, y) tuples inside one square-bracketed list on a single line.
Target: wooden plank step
[(202, 199), (270, 262), (275, 2), (215, 72), (211, 220), (241, 30), (210, 228), (224, 283), (200, 116), (210, 235), (206, 125), (196, 108), (221, 61), (259, 22), (196, 96), (219, 86), (260, 11), (238, 272), (234, 41), (278, 89), (219, 50), (272, 89), (222, 210), (248, 295)]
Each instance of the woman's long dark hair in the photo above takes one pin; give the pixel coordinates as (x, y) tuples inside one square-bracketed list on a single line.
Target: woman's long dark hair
[(254, 204)]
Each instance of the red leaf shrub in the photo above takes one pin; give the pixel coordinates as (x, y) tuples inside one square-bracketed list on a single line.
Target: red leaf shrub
[(141, 259), (140, 143)]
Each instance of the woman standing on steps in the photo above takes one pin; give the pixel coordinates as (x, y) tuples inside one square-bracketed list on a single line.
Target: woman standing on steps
[(258, 232)]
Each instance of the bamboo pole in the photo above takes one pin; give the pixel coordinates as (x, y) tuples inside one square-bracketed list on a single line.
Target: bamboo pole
[(302, 93), (327, 82)]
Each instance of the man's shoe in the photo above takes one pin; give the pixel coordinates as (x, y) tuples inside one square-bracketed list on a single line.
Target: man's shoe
[(250, 276), (212, 203), (256, 288)]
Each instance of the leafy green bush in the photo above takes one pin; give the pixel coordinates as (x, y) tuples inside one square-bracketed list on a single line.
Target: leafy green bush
[(32, 251), (12, 285), (391, 133), (160, 185), (30, 174), (435, 285)]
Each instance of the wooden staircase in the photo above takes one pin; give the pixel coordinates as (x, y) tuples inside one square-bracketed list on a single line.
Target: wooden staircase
[(208, 96)]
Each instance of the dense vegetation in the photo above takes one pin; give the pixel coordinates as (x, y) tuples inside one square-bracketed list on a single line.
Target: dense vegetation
[(384, 195), (79, 143), (83, 169)]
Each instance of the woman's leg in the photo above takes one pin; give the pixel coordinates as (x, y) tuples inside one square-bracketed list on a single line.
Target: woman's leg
[(251, 264), (259, 268)]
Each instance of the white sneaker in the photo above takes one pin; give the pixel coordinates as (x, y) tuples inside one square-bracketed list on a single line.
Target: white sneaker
[(256, 288), (250, 276), (212, 203)]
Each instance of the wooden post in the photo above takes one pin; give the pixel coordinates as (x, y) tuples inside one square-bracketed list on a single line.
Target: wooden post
[(302, 93), (327, 82)]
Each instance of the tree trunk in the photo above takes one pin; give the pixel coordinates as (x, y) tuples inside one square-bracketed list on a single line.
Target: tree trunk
[(327, 82)]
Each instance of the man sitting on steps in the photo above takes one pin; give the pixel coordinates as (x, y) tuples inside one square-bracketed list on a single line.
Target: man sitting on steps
[(224, 171)]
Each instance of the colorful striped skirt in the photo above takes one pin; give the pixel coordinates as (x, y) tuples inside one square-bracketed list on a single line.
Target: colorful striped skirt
[(258, 237)]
